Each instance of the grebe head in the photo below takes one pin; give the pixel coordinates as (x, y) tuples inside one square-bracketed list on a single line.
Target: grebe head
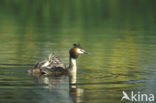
[(76, 50)]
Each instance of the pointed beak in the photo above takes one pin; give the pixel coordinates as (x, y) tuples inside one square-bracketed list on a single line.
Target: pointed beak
[(86, 52), (82, 51)]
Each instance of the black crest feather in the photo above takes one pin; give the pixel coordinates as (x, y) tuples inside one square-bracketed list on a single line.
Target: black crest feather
[(76, 45)]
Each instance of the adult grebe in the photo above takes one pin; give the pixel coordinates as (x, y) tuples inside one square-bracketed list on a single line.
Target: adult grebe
[(53, 65)]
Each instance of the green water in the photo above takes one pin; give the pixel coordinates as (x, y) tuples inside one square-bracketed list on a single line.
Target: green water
[(119, 34)]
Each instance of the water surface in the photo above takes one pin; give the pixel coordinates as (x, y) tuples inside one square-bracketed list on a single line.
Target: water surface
[(120, 36)]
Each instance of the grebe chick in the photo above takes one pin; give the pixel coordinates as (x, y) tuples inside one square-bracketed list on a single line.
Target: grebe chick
[(53, 65)]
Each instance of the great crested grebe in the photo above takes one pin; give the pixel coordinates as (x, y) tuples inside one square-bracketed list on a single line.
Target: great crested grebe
[(53, 66)]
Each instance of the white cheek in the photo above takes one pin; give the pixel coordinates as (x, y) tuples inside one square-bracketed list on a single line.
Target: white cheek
[(79, 51)]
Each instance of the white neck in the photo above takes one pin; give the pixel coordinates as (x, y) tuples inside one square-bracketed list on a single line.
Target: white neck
[(72, 70), (72, 65)]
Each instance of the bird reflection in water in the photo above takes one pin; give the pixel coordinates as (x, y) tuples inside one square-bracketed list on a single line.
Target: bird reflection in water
[(66, 84)]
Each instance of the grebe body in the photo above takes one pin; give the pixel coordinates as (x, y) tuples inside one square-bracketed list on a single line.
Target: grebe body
[(53, 65)]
